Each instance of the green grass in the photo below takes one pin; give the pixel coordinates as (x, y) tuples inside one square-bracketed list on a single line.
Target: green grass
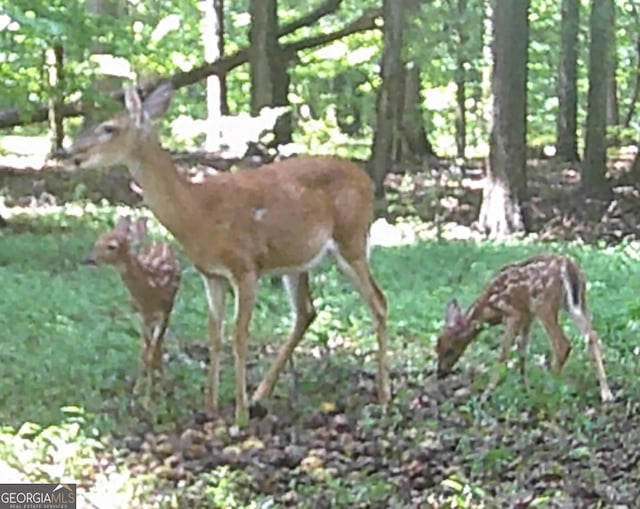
[(70, 342)]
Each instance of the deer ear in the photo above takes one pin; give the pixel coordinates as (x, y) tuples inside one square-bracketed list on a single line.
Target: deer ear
[(157, 102), (138, 231), (123, 224), (141, 226), (134, 105), (452, 313)]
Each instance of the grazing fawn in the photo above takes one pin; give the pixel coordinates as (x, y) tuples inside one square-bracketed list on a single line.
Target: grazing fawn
[(536, 287), (280, 219), (152, 277)]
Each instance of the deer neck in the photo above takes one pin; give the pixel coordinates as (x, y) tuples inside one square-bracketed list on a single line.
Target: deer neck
[(165, 190), (132, 273), (481, 314)]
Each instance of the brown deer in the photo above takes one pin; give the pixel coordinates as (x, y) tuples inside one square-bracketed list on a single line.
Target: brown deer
[(152, 277), (536, 287), (281, 218)]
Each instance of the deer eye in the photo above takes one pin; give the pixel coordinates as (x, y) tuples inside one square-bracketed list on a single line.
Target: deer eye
[(108, 128), (112, 247)]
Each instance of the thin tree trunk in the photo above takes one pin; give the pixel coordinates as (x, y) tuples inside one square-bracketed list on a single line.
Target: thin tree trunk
[(269, 66), (566, 123), (505, 190), (636, 88), (263, 52), (594, 181), (213, 42), (55, 68), (460, 79), (613, 109), (414, 141), (390, 101)]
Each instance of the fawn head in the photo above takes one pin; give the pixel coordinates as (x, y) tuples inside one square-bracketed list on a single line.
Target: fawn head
[(114, 141), (456, 335), (115, 246)]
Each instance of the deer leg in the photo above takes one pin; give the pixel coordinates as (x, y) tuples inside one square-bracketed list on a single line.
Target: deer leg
[(146, 365), (584, 325), (298, 291), (523, 347), (513, 325), (215, 289), (559, 342), (245, 293), (157, 362), (359, 273), (143, 365)]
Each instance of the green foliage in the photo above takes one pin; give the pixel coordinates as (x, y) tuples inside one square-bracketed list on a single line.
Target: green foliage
[(48, 454), (70, 350), (333, 88)]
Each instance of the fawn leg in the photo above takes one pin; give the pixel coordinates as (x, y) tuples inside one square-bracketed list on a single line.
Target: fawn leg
[(359, 272), (559, 342), (584, 325), (512, 325), (215, 288), (157, 337), (299, 293), (523, 347), (143, 366)]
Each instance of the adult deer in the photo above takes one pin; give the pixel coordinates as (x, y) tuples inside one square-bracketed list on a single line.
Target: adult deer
[(152, 277), (237, 227), (540, 287)]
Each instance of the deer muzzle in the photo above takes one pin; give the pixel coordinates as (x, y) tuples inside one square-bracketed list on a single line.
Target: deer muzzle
[(89, 259), (71, 158)]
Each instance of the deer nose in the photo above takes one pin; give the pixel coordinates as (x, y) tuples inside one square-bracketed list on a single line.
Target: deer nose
[(89, 259)]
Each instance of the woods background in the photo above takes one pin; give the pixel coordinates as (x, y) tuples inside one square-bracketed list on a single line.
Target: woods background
[(403, 85)]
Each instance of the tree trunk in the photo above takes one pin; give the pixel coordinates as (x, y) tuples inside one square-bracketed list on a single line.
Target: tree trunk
[(505, 191), (263, 52), (613, 107), (413, 140), (269, 65), (460, 79), (283, 130), (566, 122), (55, 69), (636, 87), (103, 85), (390, 100), (213, 42), (594, 181)]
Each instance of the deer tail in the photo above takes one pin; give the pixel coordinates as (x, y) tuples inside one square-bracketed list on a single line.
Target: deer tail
[(573, 282)]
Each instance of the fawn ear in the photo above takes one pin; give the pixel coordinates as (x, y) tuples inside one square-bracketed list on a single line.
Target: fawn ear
[(123, 224), (453, 314), (138, 231)]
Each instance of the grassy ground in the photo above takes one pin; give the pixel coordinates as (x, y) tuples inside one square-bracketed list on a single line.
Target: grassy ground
[(70, 351)]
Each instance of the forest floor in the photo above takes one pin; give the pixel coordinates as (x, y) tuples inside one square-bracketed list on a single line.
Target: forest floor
[(324, 442)]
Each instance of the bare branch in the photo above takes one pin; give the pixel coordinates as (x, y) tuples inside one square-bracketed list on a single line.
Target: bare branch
[(329, 7)]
